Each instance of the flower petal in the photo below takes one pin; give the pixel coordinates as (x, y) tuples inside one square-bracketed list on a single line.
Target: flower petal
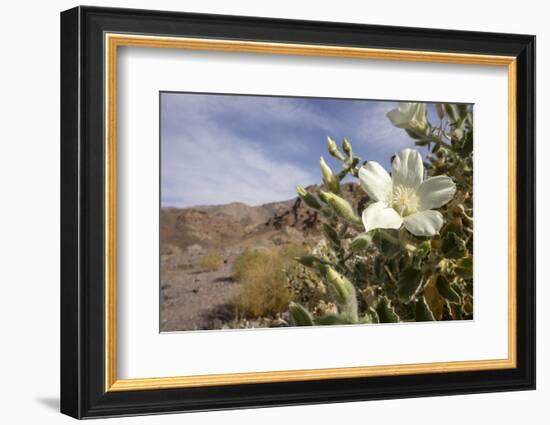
[(418, 119), (424, 223), (407, 169), (379, 216), (398, 118), (435, 192), (375, 180)]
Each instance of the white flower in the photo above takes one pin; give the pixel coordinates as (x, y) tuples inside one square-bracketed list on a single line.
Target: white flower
[(410, 116), (403, 198)]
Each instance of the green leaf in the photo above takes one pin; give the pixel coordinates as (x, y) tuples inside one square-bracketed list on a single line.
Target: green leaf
[(422, 311), (452, 246), (468, 144), (464, 268), (385, 311), (370, 316), (410, 281), (468, 305), (333, 319), (433, 299), (299, 315), (456, 311), (446, 290)]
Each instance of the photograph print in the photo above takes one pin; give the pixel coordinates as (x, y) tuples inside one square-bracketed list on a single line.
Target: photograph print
[(281, 211)]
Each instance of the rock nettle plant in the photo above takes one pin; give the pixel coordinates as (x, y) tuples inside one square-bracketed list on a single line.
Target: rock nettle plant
[(403, 251)]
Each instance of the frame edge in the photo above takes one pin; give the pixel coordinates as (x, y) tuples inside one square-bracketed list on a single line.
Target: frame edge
[(70, 349), (81, 398)]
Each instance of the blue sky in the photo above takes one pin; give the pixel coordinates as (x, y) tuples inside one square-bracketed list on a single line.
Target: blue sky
[(217, 149)]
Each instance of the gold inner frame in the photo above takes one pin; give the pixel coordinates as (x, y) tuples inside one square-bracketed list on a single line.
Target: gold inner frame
[(113, 41)]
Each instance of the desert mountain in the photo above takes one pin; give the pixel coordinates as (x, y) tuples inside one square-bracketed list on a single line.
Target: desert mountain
[(215, 226)]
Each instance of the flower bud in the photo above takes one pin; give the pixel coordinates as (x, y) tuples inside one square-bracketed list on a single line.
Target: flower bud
[(341, 288), (341, 207), (410, 116), (360, 243), (308, 198), (329, 179), (346, 146), (323, 196), (331, 234), (333, 149)]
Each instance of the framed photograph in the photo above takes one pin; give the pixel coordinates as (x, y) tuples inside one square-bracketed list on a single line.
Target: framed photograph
[(261, 212)]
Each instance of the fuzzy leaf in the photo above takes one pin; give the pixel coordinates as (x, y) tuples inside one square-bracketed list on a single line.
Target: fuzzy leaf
[(456, 311), (422, 311), (299, 315), (445, 289), (410, 281), (452, 246), (464, 268), (333, 319), (385, 311), (370, 316), (468, 306), (433, 299)]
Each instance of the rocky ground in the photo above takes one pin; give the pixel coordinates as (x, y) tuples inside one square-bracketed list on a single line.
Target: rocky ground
[(194, 299), (191, 298)]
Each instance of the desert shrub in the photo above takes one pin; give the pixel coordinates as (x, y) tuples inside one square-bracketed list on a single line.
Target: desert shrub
[(404, 251), (211, 262), (262, 275)]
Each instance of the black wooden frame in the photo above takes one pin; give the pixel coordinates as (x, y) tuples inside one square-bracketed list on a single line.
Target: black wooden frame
[(82, 219)]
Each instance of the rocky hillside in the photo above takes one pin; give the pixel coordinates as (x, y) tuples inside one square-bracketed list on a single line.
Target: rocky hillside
[(214, 226)]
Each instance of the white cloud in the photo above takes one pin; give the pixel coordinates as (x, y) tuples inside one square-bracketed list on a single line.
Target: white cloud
[(206, 159), (206, 165)]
